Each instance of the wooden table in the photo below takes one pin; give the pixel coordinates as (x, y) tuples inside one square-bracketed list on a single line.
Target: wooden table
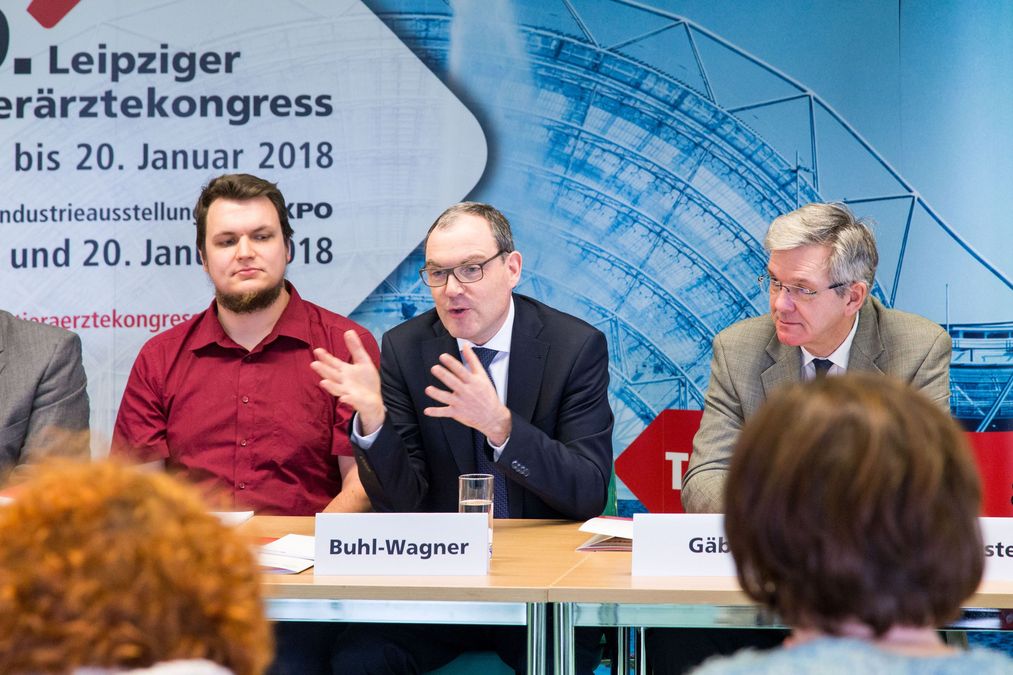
[(529, 556), (600, 591), (534, 563)]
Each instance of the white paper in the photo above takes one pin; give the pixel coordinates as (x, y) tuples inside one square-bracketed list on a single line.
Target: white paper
[(233, 518), (283, 563), (294, 545), (612, 527)]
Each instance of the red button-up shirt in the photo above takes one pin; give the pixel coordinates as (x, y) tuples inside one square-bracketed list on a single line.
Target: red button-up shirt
[(252, 430)]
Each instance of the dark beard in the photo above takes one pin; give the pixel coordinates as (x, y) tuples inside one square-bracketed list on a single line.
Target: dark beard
[(247, 303)]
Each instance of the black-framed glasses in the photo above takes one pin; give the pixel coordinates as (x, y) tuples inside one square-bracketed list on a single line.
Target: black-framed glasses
[(468, 273), (796, 293)]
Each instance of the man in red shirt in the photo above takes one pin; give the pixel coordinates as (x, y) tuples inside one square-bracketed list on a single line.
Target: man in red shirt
[(227, 400)]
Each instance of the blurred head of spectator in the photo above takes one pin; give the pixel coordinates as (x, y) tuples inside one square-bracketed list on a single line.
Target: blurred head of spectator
[(106, 567)]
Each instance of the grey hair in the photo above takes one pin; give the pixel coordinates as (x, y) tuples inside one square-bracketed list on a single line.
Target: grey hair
[(853, 255), (498, 223)]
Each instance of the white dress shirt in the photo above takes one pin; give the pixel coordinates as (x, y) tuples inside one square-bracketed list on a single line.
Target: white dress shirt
[(839, 357)]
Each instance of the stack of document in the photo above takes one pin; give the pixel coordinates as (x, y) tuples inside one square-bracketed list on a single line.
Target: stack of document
[(610, 534), (291, 554), (232, 518)]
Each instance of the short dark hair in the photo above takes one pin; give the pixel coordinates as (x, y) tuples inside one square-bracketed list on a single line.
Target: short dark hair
[(854, 498), (498, 223), (240, 187)]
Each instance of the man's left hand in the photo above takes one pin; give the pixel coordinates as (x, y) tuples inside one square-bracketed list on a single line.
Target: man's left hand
[(471, 399)]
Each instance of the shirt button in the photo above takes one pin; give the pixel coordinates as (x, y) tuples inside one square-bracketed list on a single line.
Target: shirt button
[(242, 486), (246, 399), (243, 442)]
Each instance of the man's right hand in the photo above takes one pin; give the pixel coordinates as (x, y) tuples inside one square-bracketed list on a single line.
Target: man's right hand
[(356, 384)]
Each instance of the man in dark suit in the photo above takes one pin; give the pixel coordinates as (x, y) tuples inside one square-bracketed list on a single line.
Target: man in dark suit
[(43, 396), (491, 382)]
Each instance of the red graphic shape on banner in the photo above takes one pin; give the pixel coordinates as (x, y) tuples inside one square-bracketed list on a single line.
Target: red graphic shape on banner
[(994, 452), (50, 12), (653, 465)]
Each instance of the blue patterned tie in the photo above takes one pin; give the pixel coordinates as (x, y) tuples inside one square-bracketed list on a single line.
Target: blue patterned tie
[(822, 366), (483, 451)]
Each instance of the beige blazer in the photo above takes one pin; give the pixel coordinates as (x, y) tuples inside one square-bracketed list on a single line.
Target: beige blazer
[(749, 362)]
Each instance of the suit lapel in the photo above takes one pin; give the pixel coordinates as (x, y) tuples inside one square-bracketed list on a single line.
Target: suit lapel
[(458, 437), (528, 356), (866, 351), (787, 366), (867, 347), (527, 361)]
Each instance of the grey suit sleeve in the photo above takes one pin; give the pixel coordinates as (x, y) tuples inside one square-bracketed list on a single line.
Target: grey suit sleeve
[(932, 377), (59, 419), (703, 485)]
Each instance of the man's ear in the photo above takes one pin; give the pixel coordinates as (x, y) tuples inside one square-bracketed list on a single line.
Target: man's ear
[(514, 262), (856, 296)]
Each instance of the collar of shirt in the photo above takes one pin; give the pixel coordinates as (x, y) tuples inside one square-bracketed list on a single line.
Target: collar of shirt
[(501, 343), (293, 323), (839, 358)]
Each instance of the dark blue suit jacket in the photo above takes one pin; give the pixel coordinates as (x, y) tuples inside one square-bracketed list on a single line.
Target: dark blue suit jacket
[(559, 458)]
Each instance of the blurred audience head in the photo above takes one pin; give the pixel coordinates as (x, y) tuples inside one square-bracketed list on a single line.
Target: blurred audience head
[(103, 566), (854, 499)]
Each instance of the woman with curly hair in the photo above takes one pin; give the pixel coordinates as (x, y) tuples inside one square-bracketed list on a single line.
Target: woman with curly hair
[(852, 511), (107, 569)]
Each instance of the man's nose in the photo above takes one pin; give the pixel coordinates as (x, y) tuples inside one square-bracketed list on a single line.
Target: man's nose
[(244, 249), (454, 287), (783, 301)]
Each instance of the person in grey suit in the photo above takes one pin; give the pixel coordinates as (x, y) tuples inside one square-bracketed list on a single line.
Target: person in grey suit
[(43, 396), (822, 265), (822, 321), (535, 415)]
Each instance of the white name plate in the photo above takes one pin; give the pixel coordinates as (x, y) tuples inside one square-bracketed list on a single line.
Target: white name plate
[(680, 545), (402, 544), (997, 535)]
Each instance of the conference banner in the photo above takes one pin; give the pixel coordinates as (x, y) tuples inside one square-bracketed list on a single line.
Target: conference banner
[(640, 150), (114, 115)]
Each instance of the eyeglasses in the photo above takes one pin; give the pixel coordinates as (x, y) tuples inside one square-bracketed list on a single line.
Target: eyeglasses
[(796, 293), (468, 273)]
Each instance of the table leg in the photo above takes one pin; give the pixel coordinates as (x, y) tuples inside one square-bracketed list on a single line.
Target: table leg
[(537, 629), (641, 661), (622, 663), (564, 650)]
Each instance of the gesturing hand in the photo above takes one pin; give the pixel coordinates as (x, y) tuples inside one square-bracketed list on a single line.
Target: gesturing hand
[(471, 399), (355, 383)]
